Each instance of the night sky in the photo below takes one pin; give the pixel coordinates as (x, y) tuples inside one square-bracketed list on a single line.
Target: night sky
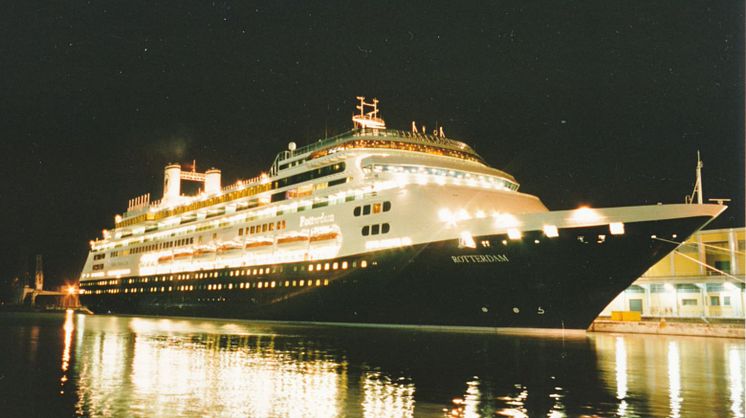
[(599, 102)]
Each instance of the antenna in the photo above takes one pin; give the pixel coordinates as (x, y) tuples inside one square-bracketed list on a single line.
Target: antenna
[(697, 184)]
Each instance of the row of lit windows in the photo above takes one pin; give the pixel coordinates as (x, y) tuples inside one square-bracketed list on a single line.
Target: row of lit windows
[(257, 229), (163, 245), (327, 266), (99, 256), (376, 229), (215, 287), (372, 208)]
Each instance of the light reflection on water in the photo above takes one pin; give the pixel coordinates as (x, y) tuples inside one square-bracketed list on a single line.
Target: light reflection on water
[(121, 366)]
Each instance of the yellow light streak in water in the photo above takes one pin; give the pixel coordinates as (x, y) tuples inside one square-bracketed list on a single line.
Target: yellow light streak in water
[(674, 378), (621, 376), (736, 382), (384, 397)]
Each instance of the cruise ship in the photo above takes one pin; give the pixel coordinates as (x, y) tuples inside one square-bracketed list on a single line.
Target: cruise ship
[(375, 226)]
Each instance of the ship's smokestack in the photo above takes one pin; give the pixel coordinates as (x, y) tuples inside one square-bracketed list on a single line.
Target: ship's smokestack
[(172, 183), (212, 181)]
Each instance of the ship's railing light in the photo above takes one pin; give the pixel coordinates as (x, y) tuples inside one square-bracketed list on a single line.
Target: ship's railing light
[(445, 215), (514, 233), (551, 231), (585, 214), (466, 240), (616, 228), (505, 220)]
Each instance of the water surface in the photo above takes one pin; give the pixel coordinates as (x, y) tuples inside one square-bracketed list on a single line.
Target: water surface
[(110, 366)]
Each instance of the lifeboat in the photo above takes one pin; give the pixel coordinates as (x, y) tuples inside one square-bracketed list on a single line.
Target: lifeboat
[(229, 246), (292, 239), (251, 245), (204, 251), (326, 236), (182, 254)]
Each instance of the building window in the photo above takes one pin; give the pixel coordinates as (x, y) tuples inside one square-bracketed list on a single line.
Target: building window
[(714, 300)]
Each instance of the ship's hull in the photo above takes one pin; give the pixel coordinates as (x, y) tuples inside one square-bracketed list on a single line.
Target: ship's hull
[(536, 281)]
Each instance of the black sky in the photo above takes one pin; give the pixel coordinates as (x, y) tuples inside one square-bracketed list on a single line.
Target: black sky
[(595, 102)]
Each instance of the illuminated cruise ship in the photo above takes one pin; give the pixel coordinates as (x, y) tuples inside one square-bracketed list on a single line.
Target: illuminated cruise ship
[(377, 226)]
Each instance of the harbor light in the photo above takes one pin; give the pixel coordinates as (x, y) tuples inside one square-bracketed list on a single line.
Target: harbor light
[(616, 228), (551, 231)]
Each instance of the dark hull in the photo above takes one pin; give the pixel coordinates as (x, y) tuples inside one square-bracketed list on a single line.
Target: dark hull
[(561, 282)]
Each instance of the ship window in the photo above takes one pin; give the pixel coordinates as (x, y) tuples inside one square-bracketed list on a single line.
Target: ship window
[(366, 230), (385, 228), (272, 226), (386, 206), (264, 228), (326, 282), (356, 211), (375, 229), (344, 265), (240, 232), (376, 208), (366, 210), (302, 282), (363, 264)]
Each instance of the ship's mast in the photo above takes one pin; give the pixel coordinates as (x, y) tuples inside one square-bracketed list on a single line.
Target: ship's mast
[(697, 184), (368, 119)]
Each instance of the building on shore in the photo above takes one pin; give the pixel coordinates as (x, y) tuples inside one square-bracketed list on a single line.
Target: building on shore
[(702, 278)]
